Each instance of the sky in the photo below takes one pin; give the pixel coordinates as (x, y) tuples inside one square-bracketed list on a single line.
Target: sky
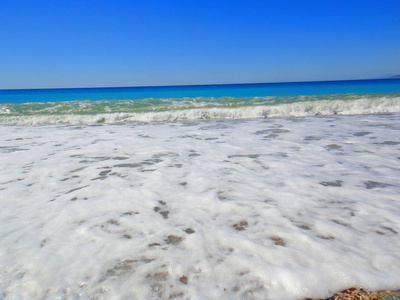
[(78, 43)]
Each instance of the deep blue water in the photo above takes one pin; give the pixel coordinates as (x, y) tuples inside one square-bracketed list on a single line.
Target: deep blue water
[(228, 90)]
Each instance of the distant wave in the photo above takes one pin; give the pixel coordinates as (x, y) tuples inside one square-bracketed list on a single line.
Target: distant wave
[(97, 112)]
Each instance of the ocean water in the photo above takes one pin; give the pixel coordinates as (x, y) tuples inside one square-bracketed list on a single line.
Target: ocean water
[(204, 197), (243, 101)]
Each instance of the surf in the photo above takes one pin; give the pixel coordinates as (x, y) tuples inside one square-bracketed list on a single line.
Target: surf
[(166, 110)]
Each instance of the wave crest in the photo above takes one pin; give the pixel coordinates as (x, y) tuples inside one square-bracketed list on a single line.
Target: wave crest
[(297, 109)]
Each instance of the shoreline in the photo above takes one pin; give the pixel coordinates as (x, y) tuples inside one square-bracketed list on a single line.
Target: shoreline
[(357, 294)]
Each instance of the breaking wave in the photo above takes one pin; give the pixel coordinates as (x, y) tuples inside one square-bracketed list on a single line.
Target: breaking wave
[(164, 110)]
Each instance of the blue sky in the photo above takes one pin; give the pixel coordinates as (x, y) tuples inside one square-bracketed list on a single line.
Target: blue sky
[(45, 44)]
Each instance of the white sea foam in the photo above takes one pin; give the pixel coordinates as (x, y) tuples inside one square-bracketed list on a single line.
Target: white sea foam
[(234, 209), (297, 109), (4, 110)]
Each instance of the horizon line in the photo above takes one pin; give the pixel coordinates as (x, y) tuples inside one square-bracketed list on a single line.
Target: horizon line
[(209, 84)]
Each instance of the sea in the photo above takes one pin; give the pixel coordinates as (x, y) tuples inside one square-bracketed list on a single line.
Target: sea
[(280, 191), (173, 103)]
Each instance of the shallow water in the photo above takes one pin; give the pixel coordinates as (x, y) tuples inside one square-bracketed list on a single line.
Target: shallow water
[(193, 109), (235, 101), (234, 209)]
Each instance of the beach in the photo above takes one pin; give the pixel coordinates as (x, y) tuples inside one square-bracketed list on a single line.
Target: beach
[(200, 150), (276, 208)]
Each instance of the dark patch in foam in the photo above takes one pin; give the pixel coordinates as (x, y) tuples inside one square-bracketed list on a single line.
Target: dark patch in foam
[(79, 169), (214, 126), (76, 189), (391, 143), (128, 165), (194, 154), (242, 225), (270, 136), (221, 195), (304, 227), (337, 183), (161, 211), (270, 202), (253, 156), (147, 162), (124, 267), (164, 213), (340, 223), (273, 131), (120, 157), (113, 222), (43, 243), (278, 241), (112, 226), (281, 154), (167, 154), (173, 239), (312, 138), (184, 279), (95, 159), (362, 133), (147, 170), (11, 149), (157, 281), (334, 147), (99, 140), (193, 136), (375, 184), (104, 173), (390, 229), (176, 166), (129, 213), (151, 161)]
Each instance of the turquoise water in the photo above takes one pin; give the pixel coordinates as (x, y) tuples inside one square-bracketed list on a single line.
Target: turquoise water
[(170, 103), (229, 90)]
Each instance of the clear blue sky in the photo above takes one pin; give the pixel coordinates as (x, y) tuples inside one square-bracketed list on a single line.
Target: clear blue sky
[(68, 43)]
